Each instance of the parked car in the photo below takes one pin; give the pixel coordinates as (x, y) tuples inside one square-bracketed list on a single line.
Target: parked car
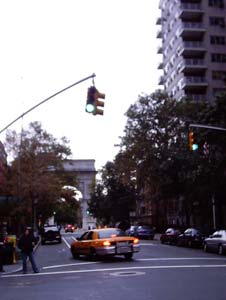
[(131, 231), (191, 237), (170, 236), (216, 242), (105, 242), (50, 234), (69, 228), (144, 232)]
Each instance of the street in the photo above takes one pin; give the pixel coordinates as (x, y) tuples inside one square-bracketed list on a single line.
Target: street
[(157, 272)]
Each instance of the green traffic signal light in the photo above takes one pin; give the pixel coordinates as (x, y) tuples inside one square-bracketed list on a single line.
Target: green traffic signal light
[(90, 108), (195, 147)]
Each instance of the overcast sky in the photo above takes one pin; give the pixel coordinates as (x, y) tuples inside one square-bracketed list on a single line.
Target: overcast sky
[(47, 45)]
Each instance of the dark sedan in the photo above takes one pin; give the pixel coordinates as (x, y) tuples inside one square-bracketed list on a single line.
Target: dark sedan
[(144, 232), (191, 237), (170, 236), (50, 234)]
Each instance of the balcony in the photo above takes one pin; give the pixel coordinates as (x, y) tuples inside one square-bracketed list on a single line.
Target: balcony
[(192, 30), (159, 21), (195, 84), (192, 48), (193, 65), (161, 80), (160, 65), (160, 50), (190, 11), (159, 34)]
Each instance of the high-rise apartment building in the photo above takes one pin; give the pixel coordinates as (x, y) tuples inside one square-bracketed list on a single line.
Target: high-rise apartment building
[(193, 35)]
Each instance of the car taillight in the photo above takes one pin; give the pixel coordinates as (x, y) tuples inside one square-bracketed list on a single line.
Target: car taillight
[(106, 243), (135, 241)]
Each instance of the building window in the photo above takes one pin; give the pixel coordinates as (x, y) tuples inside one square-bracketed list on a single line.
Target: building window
[(217, 40), (219, 75), (217, 21), (218, 57), (216, 3)]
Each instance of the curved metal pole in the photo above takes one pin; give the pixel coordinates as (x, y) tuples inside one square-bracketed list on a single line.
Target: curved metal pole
[(45, 100)]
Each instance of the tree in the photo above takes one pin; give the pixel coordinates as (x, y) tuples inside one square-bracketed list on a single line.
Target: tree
[(34, 172), (112, 200), (155, 149)]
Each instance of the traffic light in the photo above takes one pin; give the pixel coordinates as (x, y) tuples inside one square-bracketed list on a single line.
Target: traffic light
[(193, 145), (93, 103)]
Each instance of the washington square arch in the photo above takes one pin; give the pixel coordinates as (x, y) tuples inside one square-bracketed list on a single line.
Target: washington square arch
[(85, 172)]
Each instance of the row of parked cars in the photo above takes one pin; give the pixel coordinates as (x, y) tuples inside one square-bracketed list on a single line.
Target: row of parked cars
[(192, 237)]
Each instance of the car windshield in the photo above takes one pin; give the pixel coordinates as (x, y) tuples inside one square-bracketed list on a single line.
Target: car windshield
[(110, 233), (52, 228)]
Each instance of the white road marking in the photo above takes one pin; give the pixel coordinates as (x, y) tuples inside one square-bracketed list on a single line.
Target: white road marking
[(179, 258), (145, 244), (69, 265), (117, 269), (68, 245)]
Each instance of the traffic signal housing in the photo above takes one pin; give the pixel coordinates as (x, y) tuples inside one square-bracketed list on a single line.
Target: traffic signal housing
[(193, 145), (93, 103), (98, 103), (90, 106)]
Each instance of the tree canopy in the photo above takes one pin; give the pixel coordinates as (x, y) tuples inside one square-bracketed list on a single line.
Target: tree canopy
[(35, 174)]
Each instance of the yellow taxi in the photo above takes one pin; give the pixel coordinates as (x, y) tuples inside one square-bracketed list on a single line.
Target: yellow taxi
[(105, 242)]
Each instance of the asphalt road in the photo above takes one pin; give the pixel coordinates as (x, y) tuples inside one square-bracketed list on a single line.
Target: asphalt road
[(157, 272)]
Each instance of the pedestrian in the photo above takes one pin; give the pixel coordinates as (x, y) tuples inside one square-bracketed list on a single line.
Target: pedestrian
[(26, 244), (1, 252)]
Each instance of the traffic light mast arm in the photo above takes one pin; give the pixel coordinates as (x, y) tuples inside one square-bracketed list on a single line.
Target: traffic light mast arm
[(45, 100), (207, 126)]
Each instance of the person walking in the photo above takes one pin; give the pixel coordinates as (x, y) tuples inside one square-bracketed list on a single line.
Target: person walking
[(26, 244)]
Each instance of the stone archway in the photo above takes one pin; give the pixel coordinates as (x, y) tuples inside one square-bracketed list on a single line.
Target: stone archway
[(85, 173)]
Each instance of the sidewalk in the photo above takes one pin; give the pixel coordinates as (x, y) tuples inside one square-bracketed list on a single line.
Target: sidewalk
[(12, 268)]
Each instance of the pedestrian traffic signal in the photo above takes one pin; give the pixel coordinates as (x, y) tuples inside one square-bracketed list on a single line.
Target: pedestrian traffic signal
[(193, 145), (93, 103)]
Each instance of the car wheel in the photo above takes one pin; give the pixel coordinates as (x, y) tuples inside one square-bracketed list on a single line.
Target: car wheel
[(128, 256), (43, 242), (220, 250), (59, 241), (205, 247)]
